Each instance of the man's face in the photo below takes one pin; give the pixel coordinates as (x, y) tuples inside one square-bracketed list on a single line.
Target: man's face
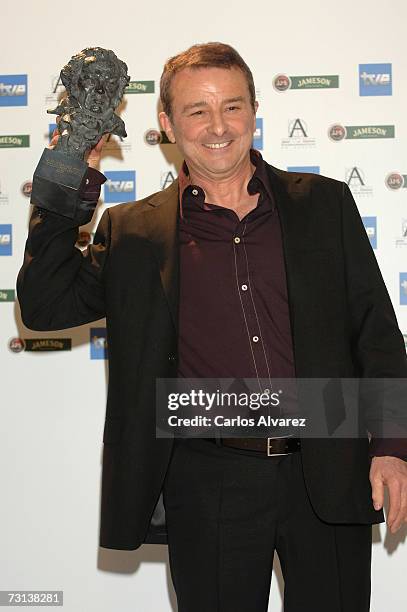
[(212, 120)]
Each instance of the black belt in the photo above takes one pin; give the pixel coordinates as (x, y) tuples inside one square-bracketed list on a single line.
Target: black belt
[(268, 446)]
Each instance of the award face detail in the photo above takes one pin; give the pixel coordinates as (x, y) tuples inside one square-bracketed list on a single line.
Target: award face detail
[(95, 80)]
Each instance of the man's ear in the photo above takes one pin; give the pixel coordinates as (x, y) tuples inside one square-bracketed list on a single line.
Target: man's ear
[(167, 126), (256, 106)]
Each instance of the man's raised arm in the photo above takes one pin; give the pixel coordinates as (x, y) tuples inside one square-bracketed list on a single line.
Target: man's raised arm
[(60, 286)]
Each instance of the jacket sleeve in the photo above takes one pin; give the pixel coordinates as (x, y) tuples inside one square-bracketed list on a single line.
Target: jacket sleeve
[(58, 285), (377, 342)]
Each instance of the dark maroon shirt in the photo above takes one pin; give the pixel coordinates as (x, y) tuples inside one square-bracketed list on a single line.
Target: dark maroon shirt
[(233, 318)]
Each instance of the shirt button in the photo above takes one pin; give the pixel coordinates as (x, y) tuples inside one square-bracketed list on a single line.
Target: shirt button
[(255, 338), (244, 287), (195, 192), (236, 239)]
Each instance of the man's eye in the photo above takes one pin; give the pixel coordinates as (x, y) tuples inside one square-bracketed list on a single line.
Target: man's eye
[(197, 113), (232, 108)]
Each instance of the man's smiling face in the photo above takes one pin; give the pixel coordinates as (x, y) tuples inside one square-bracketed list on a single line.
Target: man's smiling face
[(212, 120)]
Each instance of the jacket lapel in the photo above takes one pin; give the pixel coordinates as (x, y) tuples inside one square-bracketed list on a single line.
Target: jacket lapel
[(161, 224), (292, 199)]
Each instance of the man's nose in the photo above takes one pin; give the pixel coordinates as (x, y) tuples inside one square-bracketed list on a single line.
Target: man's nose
[(218, 124)]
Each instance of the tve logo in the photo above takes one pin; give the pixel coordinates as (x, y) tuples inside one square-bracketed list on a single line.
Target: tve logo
[(98, 343), (5, 239), (375, 80), (370, 224), (258, 135), (13, 90), (120, 186), (308, 169), (403, 288)]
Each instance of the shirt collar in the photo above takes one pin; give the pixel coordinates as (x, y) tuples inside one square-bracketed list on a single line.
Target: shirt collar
[(259, 182)]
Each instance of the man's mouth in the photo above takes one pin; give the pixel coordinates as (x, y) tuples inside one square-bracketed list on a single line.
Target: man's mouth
[(217, 145)]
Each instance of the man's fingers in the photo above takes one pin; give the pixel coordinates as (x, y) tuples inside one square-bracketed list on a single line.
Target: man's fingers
[(394, 502), (402, 512), (377, 493), (100, 144)]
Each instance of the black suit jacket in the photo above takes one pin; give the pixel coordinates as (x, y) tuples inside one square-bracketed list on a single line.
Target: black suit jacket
[(342, 321)]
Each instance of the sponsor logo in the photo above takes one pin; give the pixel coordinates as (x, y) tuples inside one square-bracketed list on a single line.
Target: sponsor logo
[(282, 82), (337, 132), (395, 181), (26, 188), (57, 90), (355, 179), (16, 345), (298, 135), (403, 288), (258, 135), (307, 169), (13, 90), (120, 186), (7, 295), (3, 196), (167, 178), (375, 80), (98, 343), (140, 87), (356, 132), (14, 141), (152, 137), (402, 239), (370, 224), (48, 344), (5, 239), (155, 137)]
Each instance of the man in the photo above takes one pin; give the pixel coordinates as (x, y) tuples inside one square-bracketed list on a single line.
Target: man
[(238, 269)]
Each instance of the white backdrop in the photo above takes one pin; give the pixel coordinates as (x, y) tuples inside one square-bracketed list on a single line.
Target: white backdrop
[(53, 403)]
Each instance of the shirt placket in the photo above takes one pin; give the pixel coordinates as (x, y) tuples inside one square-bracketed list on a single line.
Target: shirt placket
[(244, 287)]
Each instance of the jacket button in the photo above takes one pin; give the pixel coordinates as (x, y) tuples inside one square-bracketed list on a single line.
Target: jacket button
[(171, 358)]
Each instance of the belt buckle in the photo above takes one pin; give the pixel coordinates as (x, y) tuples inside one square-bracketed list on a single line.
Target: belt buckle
[(269, 447)]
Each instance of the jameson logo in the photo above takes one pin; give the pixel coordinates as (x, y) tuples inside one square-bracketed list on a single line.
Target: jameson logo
[(395, 181), (154, 137), (358, 132), (7, 295), (48, 344), (282, 82), (140, 87), (8, 142)]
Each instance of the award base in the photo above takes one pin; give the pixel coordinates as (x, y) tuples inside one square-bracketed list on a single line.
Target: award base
[(57, 181)]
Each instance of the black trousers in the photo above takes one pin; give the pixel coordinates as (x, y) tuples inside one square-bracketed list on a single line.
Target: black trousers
[(227, 511)]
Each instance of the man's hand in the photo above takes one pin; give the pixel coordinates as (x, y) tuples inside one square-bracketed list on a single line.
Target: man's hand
[(92, 158), (392, 472)]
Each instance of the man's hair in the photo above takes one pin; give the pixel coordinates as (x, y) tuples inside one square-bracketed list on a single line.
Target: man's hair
[(208, 55)]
